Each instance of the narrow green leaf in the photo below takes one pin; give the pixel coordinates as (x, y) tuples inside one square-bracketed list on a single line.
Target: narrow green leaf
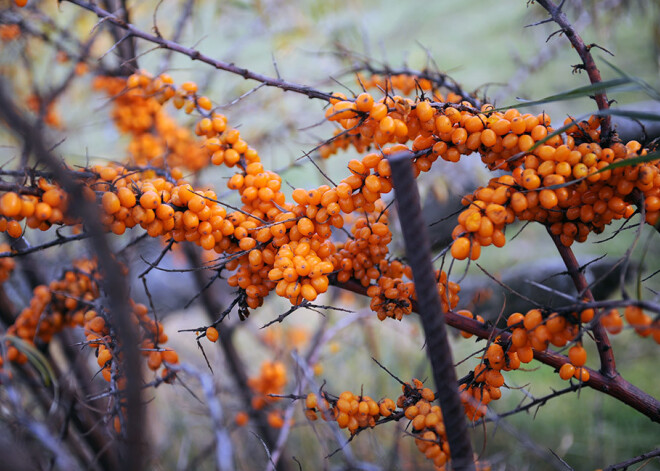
[(640, 115), (650, 91), (579, 92), (630, 162), (35, 358)]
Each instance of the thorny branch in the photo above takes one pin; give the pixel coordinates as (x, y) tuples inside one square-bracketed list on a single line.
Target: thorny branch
[(588, 62), (607, 362), (196, 55)]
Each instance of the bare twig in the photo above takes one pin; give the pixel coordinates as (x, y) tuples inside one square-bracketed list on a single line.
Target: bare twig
[(644, 456)]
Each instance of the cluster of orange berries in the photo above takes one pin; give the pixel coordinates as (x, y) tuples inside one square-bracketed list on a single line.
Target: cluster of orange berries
[(38, 211), (299, 270), (7, 264), (643, 324), (271, 380), (270, 243), (51, 118), (484, 383), (354, 412), (577, 357), (612, 321), (391, 297), (407, 83), (510, 141), (426, 421), (67, 303), (362, 138), (571, 212), (358, 412), (9, 32), (151, 335), (63, 303), (156, 138), (532, 331), (362, 257)]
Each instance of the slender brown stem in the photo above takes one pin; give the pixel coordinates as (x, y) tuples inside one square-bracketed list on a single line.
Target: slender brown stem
[(607, 362), (587, 62)]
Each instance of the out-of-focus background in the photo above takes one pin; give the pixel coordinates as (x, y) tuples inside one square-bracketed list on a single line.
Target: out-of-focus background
[(485, 46)]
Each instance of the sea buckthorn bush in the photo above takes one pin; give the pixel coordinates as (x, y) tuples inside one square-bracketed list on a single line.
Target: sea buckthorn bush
[(187, 260)]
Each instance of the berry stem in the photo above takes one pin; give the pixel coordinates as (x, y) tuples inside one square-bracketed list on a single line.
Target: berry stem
[(418, 253)]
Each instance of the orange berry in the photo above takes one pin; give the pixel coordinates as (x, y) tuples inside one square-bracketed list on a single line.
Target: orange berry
[(149, 200), (548, 199), (581, 374), (566, 371), (10, 204), (460, 249), (424, 111), (241, 418), (110, 202), (577, 355), (212, 334), (170, 356), (306, 227), (533, 318), (14, 229), (364, 102)]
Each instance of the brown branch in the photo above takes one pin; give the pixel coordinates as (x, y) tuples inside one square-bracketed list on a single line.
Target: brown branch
[(607, 362), (644, 456), (587, 60), (198, 56), (418, 252), (23, 190)]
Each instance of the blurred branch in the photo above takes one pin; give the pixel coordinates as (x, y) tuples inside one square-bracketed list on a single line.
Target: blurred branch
[(125, 45), (113, 283), (234, 362), (223, 445), (178, 31)]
